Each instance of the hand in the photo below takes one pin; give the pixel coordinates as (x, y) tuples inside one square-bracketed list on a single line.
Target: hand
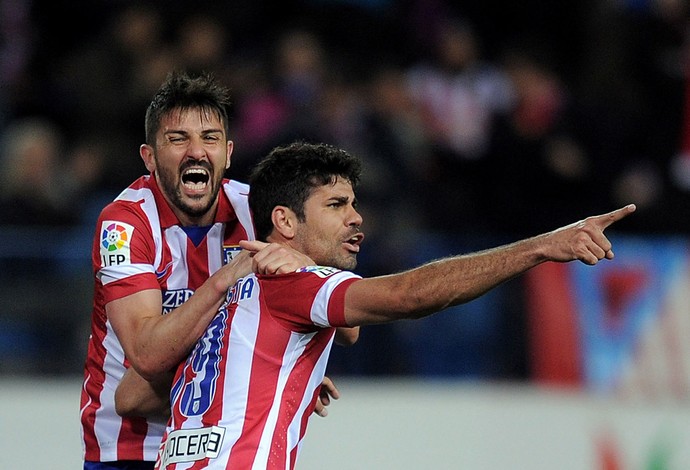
[(585, 240), (328, 391), (274, 258), (228, 274)]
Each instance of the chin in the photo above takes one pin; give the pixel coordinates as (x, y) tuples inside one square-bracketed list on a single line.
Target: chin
[(197, 208)]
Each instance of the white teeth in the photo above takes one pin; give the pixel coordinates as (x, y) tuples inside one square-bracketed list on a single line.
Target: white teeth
[(191, 179), (195, 186), (198, 171)]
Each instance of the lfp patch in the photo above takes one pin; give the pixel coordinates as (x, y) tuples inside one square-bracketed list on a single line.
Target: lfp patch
[(115, 240), (229, 252), (321, 271)]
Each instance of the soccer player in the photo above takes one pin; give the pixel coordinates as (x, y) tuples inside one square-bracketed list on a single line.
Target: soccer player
[(244, 395), (164, 254)]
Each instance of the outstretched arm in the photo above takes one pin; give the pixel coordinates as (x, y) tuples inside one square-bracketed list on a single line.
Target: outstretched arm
[(451, 281)]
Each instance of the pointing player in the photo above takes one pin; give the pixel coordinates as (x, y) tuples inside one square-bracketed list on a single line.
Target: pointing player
[(164, 254), (244, 396)]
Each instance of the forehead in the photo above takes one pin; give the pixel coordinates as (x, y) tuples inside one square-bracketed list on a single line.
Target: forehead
[(191, 118), (340, 188)]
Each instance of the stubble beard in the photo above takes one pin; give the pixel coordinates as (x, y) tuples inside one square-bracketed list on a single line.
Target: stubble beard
[(171, 188)]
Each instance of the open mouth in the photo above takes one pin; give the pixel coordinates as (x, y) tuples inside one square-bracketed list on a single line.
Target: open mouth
[(354, 242), (195, 179)]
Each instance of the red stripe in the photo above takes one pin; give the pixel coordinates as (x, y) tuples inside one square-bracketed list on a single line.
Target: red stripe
[(130, 441), (197, 263), (552, 322), (293, 394), (271, 343), (336, 303), (94, 385)]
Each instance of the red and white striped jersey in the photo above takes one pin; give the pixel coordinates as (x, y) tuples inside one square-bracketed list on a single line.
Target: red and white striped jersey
[(243, 398), (139, 244)]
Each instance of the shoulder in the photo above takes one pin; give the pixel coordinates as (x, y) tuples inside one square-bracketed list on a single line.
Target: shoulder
[(236, 188), (130, 210), (124, 210), (326, 272), (309, 277)]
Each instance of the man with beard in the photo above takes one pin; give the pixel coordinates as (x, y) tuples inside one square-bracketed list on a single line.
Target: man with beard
[(164, 254), (243, 397)]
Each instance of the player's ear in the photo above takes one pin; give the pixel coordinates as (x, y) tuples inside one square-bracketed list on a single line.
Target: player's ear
[(146, 152), (284, 221), (228, 159)]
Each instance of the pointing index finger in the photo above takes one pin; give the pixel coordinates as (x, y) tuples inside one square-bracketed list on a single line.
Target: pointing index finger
[(605, 220), (252, 245)]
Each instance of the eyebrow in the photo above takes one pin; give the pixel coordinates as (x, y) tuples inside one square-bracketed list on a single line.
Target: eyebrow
[(183, 132), (342, 200)]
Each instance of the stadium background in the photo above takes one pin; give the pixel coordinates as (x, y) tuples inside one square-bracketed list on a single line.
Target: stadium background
[(574, 108)]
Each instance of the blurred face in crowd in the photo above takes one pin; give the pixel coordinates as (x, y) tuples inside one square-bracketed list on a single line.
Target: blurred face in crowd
[(189, 161), (330, 232)]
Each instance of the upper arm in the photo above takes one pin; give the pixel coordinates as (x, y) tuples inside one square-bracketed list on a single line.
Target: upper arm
[(376, 300), (132, 315)]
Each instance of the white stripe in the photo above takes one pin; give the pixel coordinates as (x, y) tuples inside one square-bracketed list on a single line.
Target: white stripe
[(214, 242), (151, 212), (315, 380), (237, 194), (317, 375), (295, 349), (115, 273), (319, 309), (106, 422), (176, 239), (235, 389)]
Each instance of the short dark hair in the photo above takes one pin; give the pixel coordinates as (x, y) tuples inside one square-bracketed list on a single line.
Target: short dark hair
[(288, 174), (181, 91)]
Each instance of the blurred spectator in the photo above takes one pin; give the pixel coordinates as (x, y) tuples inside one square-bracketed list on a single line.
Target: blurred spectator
[(631, 105), (394, 150), (103, 87), (86, 187), (285, 101), (460, 96), (459, 92), (203, 44), (16, 47), (32, 190), (536, 159)]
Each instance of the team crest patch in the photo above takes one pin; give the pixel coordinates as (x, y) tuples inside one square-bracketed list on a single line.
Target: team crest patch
[(115, 240), (229, 252)]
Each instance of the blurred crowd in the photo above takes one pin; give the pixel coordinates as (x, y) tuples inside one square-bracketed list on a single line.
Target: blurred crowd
[(472, 117)]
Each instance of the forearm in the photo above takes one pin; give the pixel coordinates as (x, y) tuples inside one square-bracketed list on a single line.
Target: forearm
[(346, 336), (165, 342), (135, 396), (169, 340), (438, 284), (155, 343), (460, 279)]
